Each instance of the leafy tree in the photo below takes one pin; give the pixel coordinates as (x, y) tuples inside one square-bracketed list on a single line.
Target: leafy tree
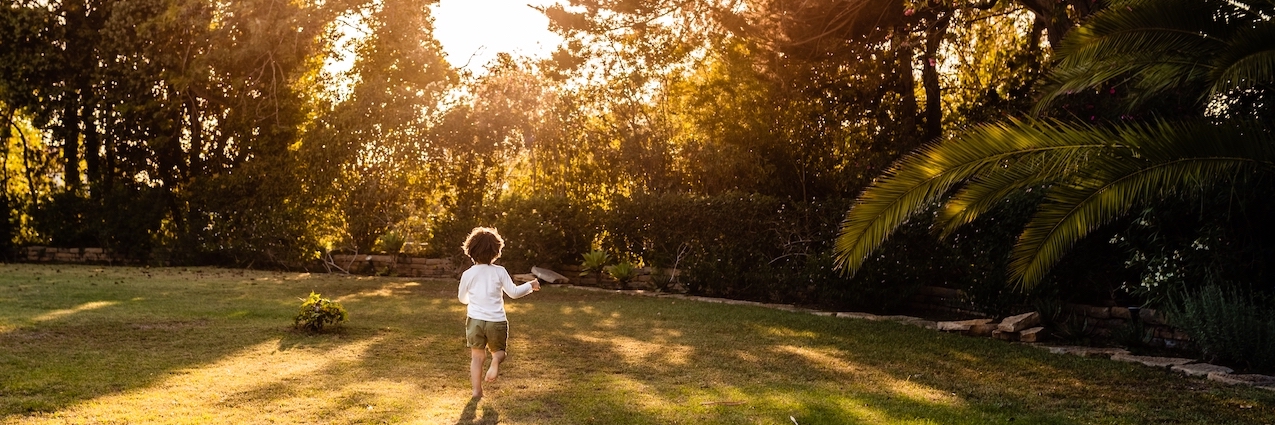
[(185, 107), (368, 149), (794, 99)]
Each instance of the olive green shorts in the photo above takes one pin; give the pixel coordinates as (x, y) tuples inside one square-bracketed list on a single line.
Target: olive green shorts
[(481, 333)]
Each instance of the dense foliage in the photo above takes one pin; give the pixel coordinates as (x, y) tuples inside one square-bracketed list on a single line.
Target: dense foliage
[(722, 139), (1194, 80)]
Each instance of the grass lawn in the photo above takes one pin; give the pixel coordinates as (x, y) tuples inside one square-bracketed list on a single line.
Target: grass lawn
[(87, 344)]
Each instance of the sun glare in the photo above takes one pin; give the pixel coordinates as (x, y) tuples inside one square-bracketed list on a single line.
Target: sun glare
[(472, 32)]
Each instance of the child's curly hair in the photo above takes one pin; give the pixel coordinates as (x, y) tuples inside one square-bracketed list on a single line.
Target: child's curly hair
[(483, 245)]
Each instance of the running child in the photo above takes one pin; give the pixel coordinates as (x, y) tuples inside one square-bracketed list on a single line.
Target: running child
[(482, 288)]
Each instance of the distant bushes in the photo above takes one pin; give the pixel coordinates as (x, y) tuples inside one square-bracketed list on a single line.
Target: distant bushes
[(541, 230), (737, 245), (734, 245), (758, 247)]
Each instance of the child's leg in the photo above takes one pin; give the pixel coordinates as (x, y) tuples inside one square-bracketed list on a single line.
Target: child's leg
[(494, 370), (497, 341), (476, 357)]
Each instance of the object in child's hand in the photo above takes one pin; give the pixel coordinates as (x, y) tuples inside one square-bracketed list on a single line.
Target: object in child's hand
[(548, 276)]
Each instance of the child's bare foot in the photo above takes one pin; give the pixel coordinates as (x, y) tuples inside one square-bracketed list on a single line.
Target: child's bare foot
[(493, 371), (478, 394)]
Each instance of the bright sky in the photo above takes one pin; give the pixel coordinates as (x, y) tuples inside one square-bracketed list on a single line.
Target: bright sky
[(473, 31)]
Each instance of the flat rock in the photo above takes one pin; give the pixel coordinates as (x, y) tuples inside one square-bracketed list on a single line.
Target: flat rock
[(785, 307), (524, 277), (589, 288), (1019, 322), (1004, 336), (898, 318), (1086, 351), (1032, 334), (927, 324), (1151, 361), (737, 302), (982, 330), (1200, 369), (960, 325), (909, 320), (1255, 380), (854, 315)]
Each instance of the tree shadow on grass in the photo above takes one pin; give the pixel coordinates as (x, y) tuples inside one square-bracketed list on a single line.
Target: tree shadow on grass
[(53, 366), (139, 335)]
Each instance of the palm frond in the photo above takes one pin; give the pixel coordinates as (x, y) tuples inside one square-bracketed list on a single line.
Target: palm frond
[(1158, 46), (992, 188), (922, 178), (1248, 62), (1167, 160)]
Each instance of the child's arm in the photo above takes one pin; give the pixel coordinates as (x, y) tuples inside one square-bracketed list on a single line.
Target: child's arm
[(464, 289), (516, 291)]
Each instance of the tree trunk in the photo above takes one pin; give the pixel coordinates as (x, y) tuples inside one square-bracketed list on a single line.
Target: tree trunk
[(930, 77), (92, 148), (70, 135), (906, 84), (196, 128)]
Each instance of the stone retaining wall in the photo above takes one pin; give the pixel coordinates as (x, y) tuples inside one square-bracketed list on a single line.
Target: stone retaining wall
[(43, 254), (397, 265), (400, 265), (1100, 321), (944, 301)]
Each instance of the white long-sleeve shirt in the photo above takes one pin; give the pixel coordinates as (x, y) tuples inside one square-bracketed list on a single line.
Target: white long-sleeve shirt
[(481, 287)]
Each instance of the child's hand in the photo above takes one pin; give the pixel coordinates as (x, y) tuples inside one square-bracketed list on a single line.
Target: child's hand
[(535, 285)]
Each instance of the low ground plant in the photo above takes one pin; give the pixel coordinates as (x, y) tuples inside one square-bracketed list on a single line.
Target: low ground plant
[(1229, 325), (318, 313), (594, 262), (623, 272)]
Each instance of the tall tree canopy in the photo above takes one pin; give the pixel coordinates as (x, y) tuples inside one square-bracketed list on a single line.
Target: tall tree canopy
[(183, 124)]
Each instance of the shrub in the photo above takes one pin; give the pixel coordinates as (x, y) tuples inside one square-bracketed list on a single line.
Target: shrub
[(539, 230), (624, 271), (1209, 238), (755, 247), (594, 262), (318, 312), (1230, 325), (392, 242)]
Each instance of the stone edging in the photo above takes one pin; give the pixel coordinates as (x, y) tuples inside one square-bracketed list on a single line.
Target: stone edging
[(1188, 367)]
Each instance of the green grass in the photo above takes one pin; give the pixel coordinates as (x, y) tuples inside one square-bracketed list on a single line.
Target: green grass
[(84, 344)]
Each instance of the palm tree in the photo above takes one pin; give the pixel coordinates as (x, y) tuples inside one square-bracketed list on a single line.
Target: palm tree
[(1218, 55)]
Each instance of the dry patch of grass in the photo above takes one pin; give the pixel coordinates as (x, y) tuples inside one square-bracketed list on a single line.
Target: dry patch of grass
[(85, 344)]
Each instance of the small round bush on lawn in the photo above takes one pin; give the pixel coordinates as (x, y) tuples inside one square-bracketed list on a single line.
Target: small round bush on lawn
[(317, 312)]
